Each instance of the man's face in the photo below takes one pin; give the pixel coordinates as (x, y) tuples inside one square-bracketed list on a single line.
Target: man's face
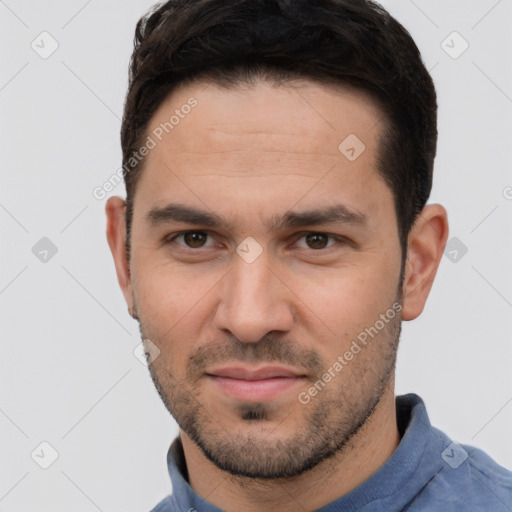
[(249, 314)]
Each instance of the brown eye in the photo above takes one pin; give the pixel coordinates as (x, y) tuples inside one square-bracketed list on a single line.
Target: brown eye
[(194, 239), (317, 240)]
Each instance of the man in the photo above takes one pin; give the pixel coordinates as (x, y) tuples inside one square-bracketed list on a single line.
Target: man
[(278, 157)]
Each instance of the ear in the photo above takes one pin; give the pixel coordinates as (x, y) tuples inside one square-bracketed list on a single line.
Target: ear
[(115, 209), (426, 243)]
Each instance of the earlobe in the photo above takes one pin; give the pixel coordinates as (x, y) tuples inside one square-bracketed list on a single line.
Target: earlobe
[(426, 244), (115, 210)]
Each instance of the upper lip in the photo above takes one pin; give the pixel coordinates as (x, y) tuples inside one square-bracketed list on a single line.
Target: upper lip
[(246, 373)]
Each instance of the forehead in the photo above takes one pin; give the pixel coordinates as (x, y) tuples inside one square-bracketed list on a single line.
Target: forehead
[(262, 143), (306, 116)]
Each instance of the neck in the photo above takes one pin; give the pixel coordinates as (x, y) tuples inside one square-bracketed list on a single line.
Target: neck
[(365, 453)]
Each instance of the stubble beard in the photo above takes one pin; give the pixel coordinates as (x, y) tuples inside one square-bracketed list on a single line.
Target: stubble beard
[(328, 422)]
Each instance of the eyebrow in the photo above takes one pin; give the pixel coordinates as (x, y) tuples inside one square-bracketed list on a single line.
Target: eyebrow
[(177, 212)]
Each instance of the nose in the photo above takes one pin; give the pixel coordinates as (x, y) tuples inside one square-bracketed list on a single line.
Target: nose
[(254, 301)]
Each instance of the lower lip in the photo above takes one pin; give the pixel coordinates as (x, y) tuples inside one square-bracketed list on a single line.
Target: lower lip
[(256, 390)]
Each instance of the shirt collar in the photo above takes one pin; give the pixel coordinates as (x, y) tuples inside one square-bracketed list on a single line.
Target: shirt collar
[(183, 496)]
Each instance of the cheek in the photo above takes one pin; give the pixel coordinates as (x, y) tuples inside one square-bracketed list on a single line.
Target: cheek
[(169, 307), (348, 299), (165, 296), (160, 293)]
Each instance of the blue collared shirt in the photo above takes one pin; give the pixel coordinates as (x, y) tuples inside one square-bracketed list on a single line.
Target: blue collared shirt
[(427, 472)]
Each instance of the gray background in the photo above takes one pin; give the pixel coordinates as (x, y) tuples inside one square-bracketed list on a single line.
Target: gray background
[(68, 375)]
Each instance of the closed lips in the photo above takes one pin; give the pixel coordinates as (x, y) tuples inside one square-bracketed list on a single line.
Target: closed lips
[(269, 372)]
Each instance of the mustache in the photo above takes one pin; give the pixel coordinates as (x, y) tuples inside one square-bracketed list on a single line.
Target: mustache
[(270, 349)]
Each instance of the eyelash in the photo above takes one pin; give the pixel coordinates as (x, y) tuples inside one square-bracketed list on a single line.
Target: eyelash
[(339, 239)]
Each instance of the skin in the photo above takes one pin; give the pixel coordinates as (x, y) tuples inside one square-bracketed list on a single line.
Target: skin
[(298, 304)]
